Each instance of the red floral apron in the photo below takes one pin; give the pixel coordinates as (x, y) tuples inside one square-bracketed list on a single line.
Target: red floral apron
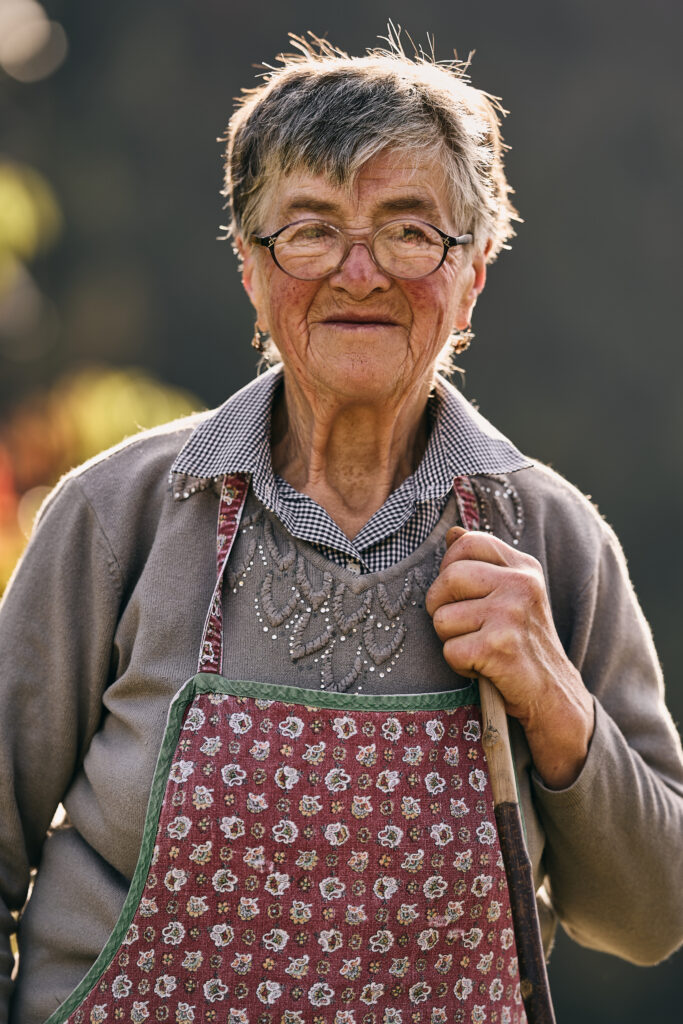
[(311, 857)]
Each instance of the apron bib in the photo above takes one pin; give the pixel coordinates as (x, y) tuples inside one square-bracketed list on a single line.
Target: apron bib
[(311, 857)]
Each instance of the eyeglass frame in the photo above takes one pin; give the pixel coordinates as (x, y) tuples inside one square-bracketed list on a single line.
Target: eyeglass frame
[(449, 242)]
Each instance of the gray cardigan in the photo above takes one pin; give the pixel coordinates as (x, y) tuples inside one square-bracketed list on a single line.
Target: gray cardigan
[(101, 624)]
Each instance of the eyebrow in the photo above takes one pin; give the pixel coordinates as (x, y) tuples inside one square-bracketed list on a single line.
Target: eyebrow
[(402, 204)]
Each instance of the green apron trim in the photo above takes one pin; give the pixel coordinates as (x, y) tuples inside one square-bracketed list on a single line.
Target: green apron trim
[(437, 700), (211, 683)]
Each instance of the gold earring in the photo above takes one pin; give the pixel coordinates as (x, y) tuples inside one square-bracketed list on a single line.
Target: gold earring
[(462, 339), (259, 340)]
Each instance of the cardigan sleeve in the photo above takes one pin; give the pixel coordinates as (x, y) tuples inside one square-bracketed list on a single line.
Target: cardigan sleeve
[(613, 855), (57, 620)]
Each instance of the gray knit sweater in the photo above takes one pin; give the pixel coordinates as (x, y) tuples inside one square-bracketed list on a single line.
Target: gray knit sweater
[(101, 626)]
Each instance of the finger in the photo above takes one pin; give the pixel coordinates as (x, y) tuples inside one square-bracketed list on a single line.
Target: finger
[(464, 581), (479, 547), (462, 655), (478, 652), (459, 618), (455, 533)]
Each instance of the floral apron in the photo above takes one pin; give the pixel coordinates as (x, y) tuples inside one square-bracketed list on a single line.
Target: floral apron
[(311, 857)]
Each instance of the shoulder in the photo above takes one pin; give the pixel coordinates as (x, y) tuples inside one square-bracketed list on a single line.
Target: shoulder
[(138, 466), (544, 498), (148, 451), (542, 513), (552, 501), (123, 494)]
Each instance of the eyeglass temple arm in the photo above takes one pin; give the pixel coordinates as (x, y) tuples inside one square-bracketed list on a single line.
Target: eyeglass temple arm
[(450, 241), (266, 240)]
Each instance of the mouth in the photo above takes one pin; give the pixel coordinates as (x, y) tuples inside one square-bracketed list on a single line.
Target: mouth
[(352, 322)]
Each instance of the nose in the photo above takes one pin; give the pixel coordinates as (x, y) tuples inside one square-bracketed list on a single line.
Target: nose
[(358, 274)]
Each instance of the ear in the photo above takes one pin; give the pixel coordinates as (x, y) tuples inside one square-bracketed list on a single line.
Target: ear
[(247, 269), (477, 271), (479, 263)]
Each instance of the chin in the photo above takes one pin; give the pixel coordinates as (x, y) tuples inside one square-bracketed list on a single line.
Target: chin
[(364, 360), (364, 376)]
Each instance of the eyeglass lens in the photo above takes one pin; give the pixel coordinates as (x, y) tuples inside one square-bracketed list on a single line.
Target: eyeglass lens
[(313, 249)]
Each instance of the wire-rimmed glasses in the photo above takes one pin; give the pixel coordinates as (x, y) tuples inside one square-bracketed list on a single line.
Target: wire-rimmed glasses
[(313, 249)]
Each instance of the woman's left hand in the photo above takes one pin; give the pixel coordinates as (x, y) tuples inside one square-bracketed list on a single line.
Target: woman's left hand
[(490, 608)]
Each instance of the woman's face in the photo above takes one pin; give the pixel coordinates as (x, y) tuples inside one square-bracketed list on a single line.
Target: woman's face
[(360, 335)]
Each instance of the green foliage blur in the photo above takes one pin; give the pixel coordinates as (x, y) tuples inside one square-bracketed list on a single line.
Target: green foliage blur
[(44, 436)]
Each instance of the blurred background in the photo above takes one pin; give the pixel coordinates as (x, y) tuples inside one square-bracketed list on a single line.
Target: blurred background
[(119, 309)]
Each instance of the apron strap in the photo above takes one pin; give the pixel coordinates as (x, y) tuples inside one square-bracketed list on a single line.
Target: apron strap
[(467, 503), (233, 497)]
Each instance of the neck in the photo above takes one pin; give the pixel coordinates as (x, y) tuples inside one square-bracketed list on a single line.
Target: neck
[(346, 455)]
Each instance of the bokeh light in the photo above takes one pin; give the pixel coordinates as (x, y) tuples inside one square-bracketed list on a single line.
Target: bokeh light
[(30, 222), (31, 46)]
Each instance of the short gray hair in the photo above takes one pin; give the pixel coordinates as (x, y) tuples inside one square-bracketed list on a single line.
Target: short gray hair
[(324, 112)]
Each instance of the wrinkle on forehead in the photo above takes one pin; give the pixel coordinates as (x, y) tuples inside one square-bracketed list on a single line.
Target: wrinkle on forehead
[(393, 183)]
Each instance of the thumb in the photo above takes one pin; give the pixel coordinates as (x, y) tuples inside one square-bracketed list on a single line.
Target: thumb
[(455, 533)]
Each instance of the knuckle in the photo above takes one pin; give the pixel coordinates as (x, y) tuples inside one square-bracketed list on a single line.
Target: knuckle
[(467, 543), (449, 578), (440, 621), (459, 654), (451, 571), (532, 563), (525, 560), (432, 598), (505, 641), (527, 584)]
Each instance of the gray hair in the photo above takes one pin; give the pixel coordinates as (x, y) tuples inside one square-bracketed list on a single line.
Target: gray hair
[(326, 113)]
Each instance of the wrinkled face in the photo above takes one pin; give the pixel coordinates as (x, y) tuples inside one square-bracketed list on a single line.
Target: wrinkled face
[(360, 335)]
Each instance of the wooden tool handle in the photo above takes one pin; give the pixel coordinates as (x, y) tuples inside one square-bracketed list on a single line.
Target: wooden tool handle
[(496, 743), (532, 970)]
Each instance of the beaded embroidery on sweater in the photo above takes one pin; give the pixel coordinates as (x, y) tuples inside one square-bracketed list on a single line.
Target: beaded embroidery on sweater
[(305, 621)]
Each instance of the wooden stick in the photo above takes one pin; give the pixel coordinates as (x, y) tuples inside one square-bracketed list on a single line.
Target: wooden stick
[(532, 970)]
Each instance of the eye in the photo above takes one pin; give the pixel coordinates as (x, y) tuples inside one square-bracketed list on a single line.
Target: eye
[(306, 232), (408, 234), (411, 233)]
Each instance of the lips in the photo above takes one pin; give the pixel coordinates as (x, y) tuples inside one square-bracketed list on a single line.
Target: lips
[(373, 321)]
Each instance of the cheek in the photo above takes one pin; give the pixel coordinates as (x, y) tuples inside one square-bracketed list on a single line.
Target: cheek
[(288, 302), (442, 296), (433, 306)]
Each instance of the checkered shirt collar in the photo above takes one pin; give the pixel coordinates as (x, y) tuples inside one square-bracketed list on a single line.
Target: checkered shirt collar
[(236, 439)]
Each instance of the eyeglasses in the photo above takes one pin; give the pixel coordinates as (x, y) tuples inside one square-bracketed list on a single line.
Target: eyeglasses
[(312, 249)]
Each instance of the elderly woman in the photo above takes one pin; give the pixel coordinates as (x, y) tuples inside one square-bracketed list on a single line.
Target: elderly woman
[(320, 789)]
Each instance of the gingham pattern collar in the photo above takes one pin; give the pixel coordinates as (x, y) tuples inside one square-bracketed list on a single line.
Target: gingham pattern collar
[(236, 439)]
